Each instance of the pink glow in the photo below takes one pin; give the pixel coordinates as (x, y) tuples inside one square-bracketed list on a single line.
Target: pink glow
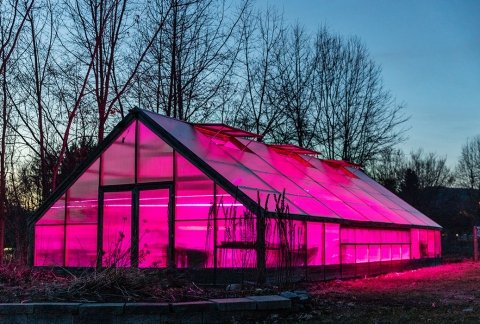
[(55, 215), (49, 245), (332, 243), (313, 188), (82, 204), (153, 228), (194, 244), (236, 258), (193, 192), (155, 157), (81, 249), (118, 161), (285, 242), (117, 228), (315, 242)]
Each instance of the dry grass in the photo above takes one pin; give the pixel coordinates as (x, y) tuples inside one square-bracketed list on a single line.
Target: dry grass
[(442, 294)]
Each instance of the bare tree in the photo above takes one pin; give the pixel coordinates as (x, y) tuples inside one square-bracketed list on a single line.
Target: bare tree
[(357, 116), (293, 91), (190, 60), (254, 107), (104, 30), (388, 168), (432, 171), (468, 168), (12, 20)]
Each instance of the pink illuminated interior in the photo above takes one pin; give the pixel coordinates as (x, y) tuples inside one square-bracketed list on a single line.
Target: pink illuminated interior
[(117, 229), (153, 228), (210, 224)]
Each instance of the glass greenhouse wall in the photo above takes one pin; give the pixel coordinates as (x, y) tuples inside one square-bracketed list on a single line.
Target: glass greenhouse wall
[(164, 193)]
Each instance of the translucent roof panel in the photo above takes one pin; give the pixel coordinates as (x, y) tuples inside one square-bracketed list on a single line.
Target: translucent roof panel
[(313, 187)]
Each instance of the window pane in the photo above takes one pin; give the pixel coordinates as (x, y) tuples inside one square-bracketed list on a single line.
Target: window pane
[(285, 242), (332, 243), (118, 161), (194, 244), (438, 244), (81, 248), (153, 228), (386, 252), (361, 253), (49, 245), (194, 192), (236, 258), (314, 243), (396, 252), (155, 157), (117, 229), (415, 243), (348, 254), (55, 214), (374, 253), (405, 251), (82, 204)]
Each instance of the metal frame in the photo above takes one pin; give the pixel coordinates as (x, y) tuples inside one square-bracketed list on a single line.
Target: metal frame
[(134, 244), (178, 148)]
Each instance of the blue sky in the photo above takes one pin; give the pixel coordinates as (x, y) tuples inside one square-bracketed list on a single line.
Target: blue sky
[(429, 51)]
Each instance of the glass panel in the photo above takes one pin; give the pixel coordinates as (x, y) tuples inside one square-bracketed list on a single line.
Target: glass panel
[(415, 243), (285, 243), (361, 253), (49, 240), (405, 251), (438, 244), (396, 252), (332, 243), (55, 215), (374, 253), (155, 157), (118, 161), (237, 258), (117, 229), (82, 204), (423, 240), (194, 244), (315, 238), (194, 192), (81, 248), (348, 254), (386, 252), (431, 244), (153, 228)]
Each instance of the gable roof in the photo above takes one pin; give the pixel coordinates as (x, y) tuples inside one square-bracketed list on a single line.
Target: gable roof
[(333, 191)]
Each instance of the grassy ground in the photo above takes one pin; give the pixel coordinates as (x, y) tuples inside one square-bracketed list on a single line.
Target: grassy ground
[(442, 294)]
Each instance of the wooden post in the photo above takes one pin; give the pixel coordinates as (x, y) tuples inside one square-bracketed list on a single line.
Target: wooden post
[(475, 243)]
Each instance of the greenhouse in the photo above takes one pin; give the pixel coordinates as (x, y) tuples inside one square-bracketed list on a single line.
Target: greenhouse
[(163, 193)]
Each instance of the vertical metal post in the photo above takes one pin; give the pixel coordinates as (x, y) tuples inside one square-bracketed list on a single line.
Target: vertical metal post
[(475, 243), (134, 243), (261, 262)]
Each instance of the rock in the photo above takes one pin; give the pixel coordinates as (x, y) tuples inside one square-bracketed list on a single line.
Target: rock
[(234, 287), (468, 310), (290, 295)]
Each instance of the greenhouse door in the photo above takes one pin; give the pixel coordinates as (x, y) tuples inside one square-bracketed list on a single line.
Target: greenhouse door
[(135, 227)]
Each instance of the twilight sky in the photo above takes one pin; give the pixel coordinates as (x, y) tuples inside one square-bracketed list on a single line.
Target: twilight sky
[(429, 51)]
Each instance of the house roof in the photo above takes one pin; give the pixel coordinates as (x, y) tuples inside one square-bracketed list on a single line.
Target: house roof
[(254, 172)]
